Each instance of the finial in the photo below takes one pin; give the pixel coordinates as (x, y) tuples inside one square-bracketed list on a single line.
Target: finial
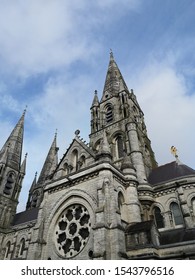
[(24, 112), (174, 151), (111, 54), (36, 174), (95, 92), (77, 132), (26, 155), (56, 132)]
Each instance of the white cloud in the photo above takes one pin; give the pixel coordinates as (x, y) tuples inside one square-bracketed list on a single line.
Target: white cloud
[(39, 35), (169, 111)]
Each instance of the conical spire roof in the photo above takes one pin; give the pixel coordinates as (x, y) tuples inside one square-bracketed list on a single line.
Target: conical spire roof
[(23, 165), (14, 142), (95, 100), (104, 149), (50, 162), (114, 82), (4, 155), (34, 183)]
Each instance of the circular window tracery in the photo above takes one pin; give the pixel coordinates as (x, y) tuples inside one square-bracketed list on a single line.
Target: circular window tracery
[(72, 230)]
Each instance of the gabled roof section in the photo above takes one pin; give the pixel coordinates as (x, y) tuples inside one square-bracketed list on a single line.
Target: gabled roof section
[(169, 171), (79, 145), (25, 216), (114, 82), (177, 236), (138, 227)]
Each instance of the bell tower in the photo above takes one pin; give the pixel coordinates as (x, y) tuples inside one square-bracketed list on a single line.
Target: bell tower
[(12, 172), (119, 114)]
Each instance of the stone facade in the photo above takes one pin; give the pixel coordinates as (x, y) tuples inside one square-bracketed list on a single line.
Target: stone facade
[(104, 200)]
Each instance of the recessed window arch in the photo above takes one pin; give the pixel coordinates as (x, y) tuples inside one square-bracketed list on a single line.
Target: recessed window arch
[(9, 183), (97, 145), (121, 205), (119, 146), (121, 200), (176, 214), (158, 218), (109, 113), (193, 205), (66, 168), (7, 250), (22, 247), (82, 161), (75, 159)]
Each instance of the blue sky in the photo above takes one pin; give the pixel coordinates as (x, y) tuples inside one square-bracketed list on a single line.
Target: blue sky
[(55, 54)]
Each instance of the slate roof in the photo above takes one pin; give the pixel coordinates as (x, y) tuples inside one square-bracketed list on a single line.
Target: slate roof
[(25, 216), (169, 171), (138, 227), (177, 236)]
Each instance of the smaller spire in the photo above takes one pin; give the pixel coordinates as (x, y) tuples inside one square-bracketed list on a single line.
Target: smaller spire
[(23, 165), (51, 161), (95, 102), (34, 183), (24, 112), (126, 163), (104, 149), (30, 201), (104, 146)]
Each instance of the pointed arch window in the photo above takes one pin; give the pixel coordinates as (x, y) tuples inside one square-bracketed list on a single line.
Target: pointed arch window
[(82, 161), (9, 184), (121, 201), (7, 250), (158, 218), (66, 168), (193, 205), (119, 146), (176, 214), (22, 247), (75, 159), (109, 113)]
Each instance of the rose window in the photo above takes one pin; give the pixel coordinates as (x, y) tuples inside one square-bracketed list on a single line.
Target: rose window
[(72, 230)]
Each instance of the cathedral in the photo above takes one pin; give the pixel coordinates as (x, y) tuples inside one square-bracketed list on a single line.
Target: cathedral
[(106, 200)]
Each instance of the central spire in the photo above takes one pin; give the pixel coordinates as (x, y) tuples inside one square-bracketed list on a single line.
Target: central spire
[(114, 82)]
